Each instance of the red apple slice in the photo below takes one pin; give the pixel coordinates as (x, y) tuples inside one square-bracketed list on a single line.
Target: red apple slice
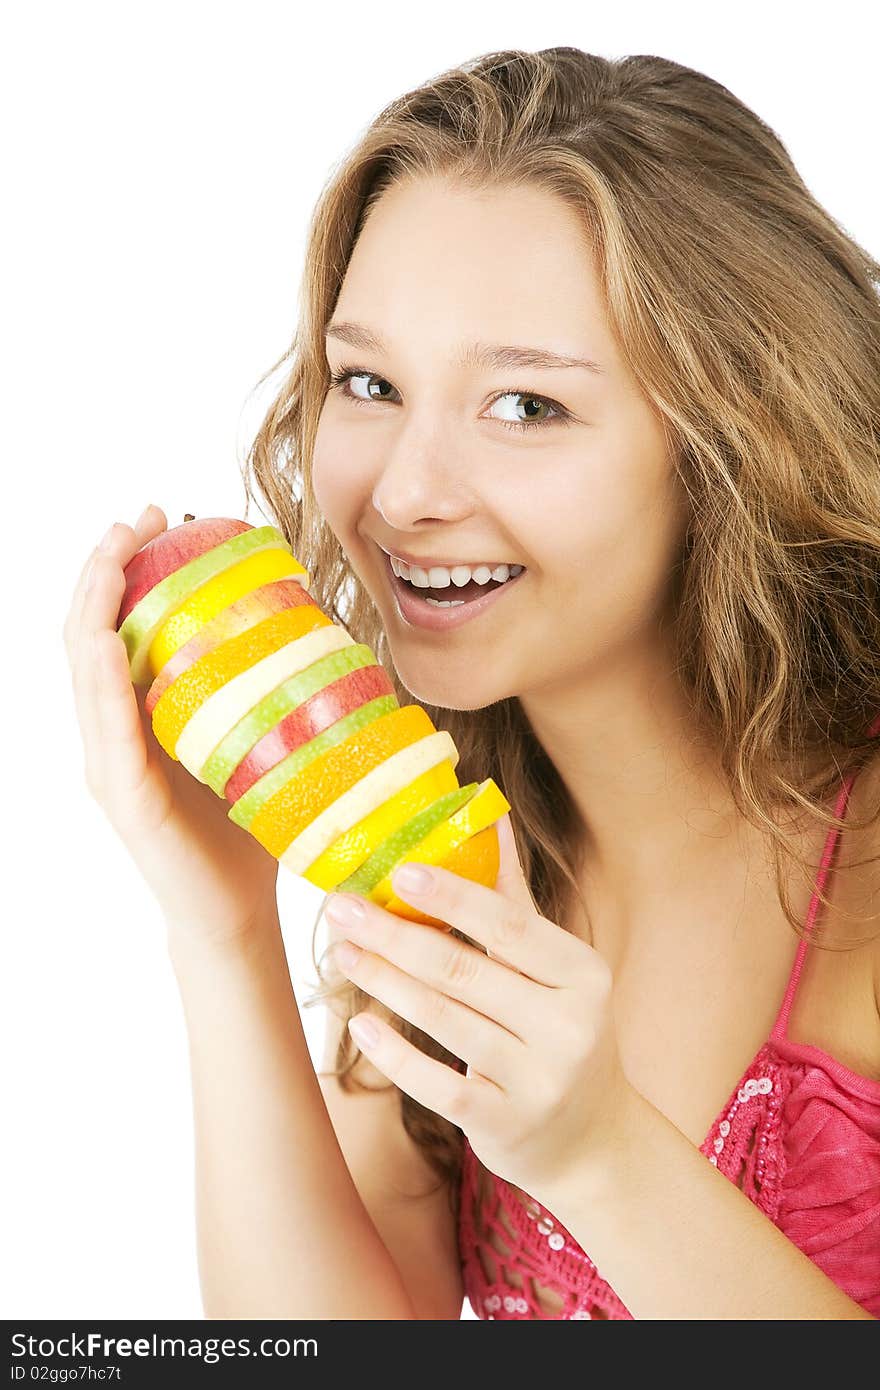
[(170, 551), (143, 622), (246, 809), (310, 716), (212, 720)]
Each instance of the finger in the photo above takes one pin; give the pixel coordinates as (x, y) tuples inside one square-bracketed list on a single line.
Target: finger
[(433, 1084), (149, 524), (123, 749), (479, 1041), (99, 602), (87, 680), (522, 938), (443, 962), (70, 631)]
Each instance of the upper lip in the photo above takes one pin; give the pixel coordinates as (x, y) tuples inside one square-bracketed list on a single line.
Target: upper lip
[(426, 564)]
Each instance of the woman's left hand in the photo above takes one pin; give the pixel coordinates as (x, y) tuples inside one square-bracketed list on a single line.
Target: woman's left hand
[(545, 1096)]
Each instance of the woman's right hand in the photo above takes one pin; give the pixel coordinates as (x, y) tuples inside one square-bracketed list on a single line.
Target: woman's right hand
[(209, 876)]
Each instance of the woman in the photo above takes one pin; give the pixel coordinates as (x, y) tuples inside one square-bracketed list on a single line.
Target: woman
[(681, 677)]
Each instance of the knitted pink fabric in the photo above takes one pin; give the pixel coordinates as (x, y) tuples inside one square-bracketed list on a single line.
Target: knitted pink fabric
[(800, 1135)]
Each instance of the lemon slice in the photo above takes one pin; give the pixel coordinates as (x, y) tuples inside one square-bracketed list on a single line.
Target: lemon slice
[(220, 592), (350, 850), (148, 615)]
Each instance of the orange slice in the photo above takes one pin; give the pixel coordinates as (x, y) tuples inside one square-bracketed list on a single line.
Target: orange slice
[(220, 592), (350, 850), (286, 814), (381, 782), (198, 682)]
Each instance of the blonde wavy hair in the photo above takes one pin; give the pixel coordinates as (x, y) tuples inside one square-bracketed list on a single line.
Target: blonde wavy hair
[(750, 319)]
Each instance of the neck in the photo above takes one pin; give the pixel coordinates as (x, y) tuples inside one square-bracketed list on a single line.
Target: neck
[(647, 786)]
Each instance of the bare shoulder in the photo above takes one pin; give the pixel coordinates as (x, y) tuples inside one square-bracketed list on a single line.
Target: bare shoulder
[(837, 1007), (409, 1205), (853, 919)]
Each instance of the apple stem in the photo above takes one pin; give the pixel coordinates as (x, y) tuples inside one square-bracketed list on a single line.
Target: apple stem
[(189, 516)]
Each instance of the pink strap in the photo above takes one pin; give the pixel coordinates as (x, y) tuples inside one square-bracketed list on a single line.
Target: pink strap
[(780, 1027)]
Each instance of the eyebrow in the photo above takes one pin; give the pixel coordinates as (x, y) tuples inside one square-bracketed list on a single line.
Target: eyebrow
[(498, 356)]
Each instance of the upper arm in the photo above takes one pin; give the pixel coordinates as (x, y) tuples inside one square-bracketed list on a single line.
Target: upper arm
[(394, 1181)]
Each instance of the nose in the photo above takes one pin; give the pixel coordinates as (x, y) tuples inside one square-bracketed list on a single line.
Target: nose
[(420, 486)]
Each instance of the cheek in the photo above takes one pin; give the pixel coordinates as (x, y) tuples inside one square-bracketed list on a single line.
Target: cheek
[(621, 535), (339, 480)]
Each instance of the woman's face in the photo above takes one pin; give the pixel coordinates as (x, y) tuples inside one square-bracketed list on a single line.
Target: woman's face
[(418, 459)]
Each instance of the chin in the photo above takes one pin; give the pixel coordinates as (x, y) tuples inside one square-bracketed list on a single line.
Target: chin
[(437, 687)]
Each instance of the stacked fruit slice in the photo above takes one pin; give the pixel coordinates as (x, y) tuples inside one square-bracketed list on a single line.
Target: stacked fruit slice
[(265, 700)]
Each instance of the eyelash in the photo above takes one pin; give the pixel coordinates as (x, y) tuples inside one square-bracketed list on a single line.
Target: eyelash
[(562, 417)]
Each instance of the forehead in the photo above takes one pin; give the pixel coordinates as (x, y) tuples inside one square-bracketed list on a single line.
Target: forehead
[(510, 265)]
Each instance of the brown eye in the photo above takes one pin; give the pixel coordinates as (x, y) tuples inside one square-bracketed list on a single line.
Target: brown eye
[(535, 404), (343, 378), (559, 415)]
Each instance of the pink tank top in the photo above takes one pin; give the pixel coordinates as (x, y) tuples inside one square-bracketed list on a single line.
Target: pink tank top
[(800, 1135)]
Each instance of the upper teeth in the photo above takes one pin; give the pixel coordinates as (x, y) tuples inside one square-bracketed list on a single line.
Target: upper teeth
[(439, 577)]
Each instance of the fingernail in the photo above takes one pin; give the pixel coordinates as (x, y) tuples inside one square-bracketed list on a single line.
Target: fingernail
[(92, 573), (104, 543), (342, 910), (412, 879), (347, 954), (143, 516), (364, 1031)]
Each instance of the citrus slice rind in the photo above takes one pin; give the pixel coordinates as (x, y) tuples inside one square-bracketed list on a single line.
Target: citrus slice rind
[(211, 721), (246, 612), (348, 851), (248, 806), (377, 786), (477, 859), (385, 859), (216, 594), (148, 615), (484, 808), (303, 797), (213, 673), (264, 716)]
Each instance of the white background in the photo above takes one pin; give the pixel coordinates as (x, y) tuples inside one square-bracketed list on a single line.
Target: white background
[(160, 166)]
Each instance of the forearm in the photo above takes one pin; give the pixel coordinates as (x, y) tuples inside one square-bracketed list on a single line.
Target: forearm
[(282, 1231), (676, 1239)]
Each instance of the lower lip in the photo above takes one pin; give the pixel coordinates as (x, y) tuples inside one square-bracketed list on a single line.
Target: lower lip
[(417, 613)]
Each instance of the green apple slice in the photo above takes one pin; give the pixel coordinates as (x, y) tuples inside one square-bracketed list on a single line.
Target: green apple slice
[(147, 616), (380, 783), (209, 724), (247, 806), (276, 706), (383, 859)]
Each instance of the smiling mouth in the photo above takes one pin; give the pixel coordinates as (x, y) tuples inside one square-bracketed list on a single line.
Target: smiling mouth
[(448, 593)]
